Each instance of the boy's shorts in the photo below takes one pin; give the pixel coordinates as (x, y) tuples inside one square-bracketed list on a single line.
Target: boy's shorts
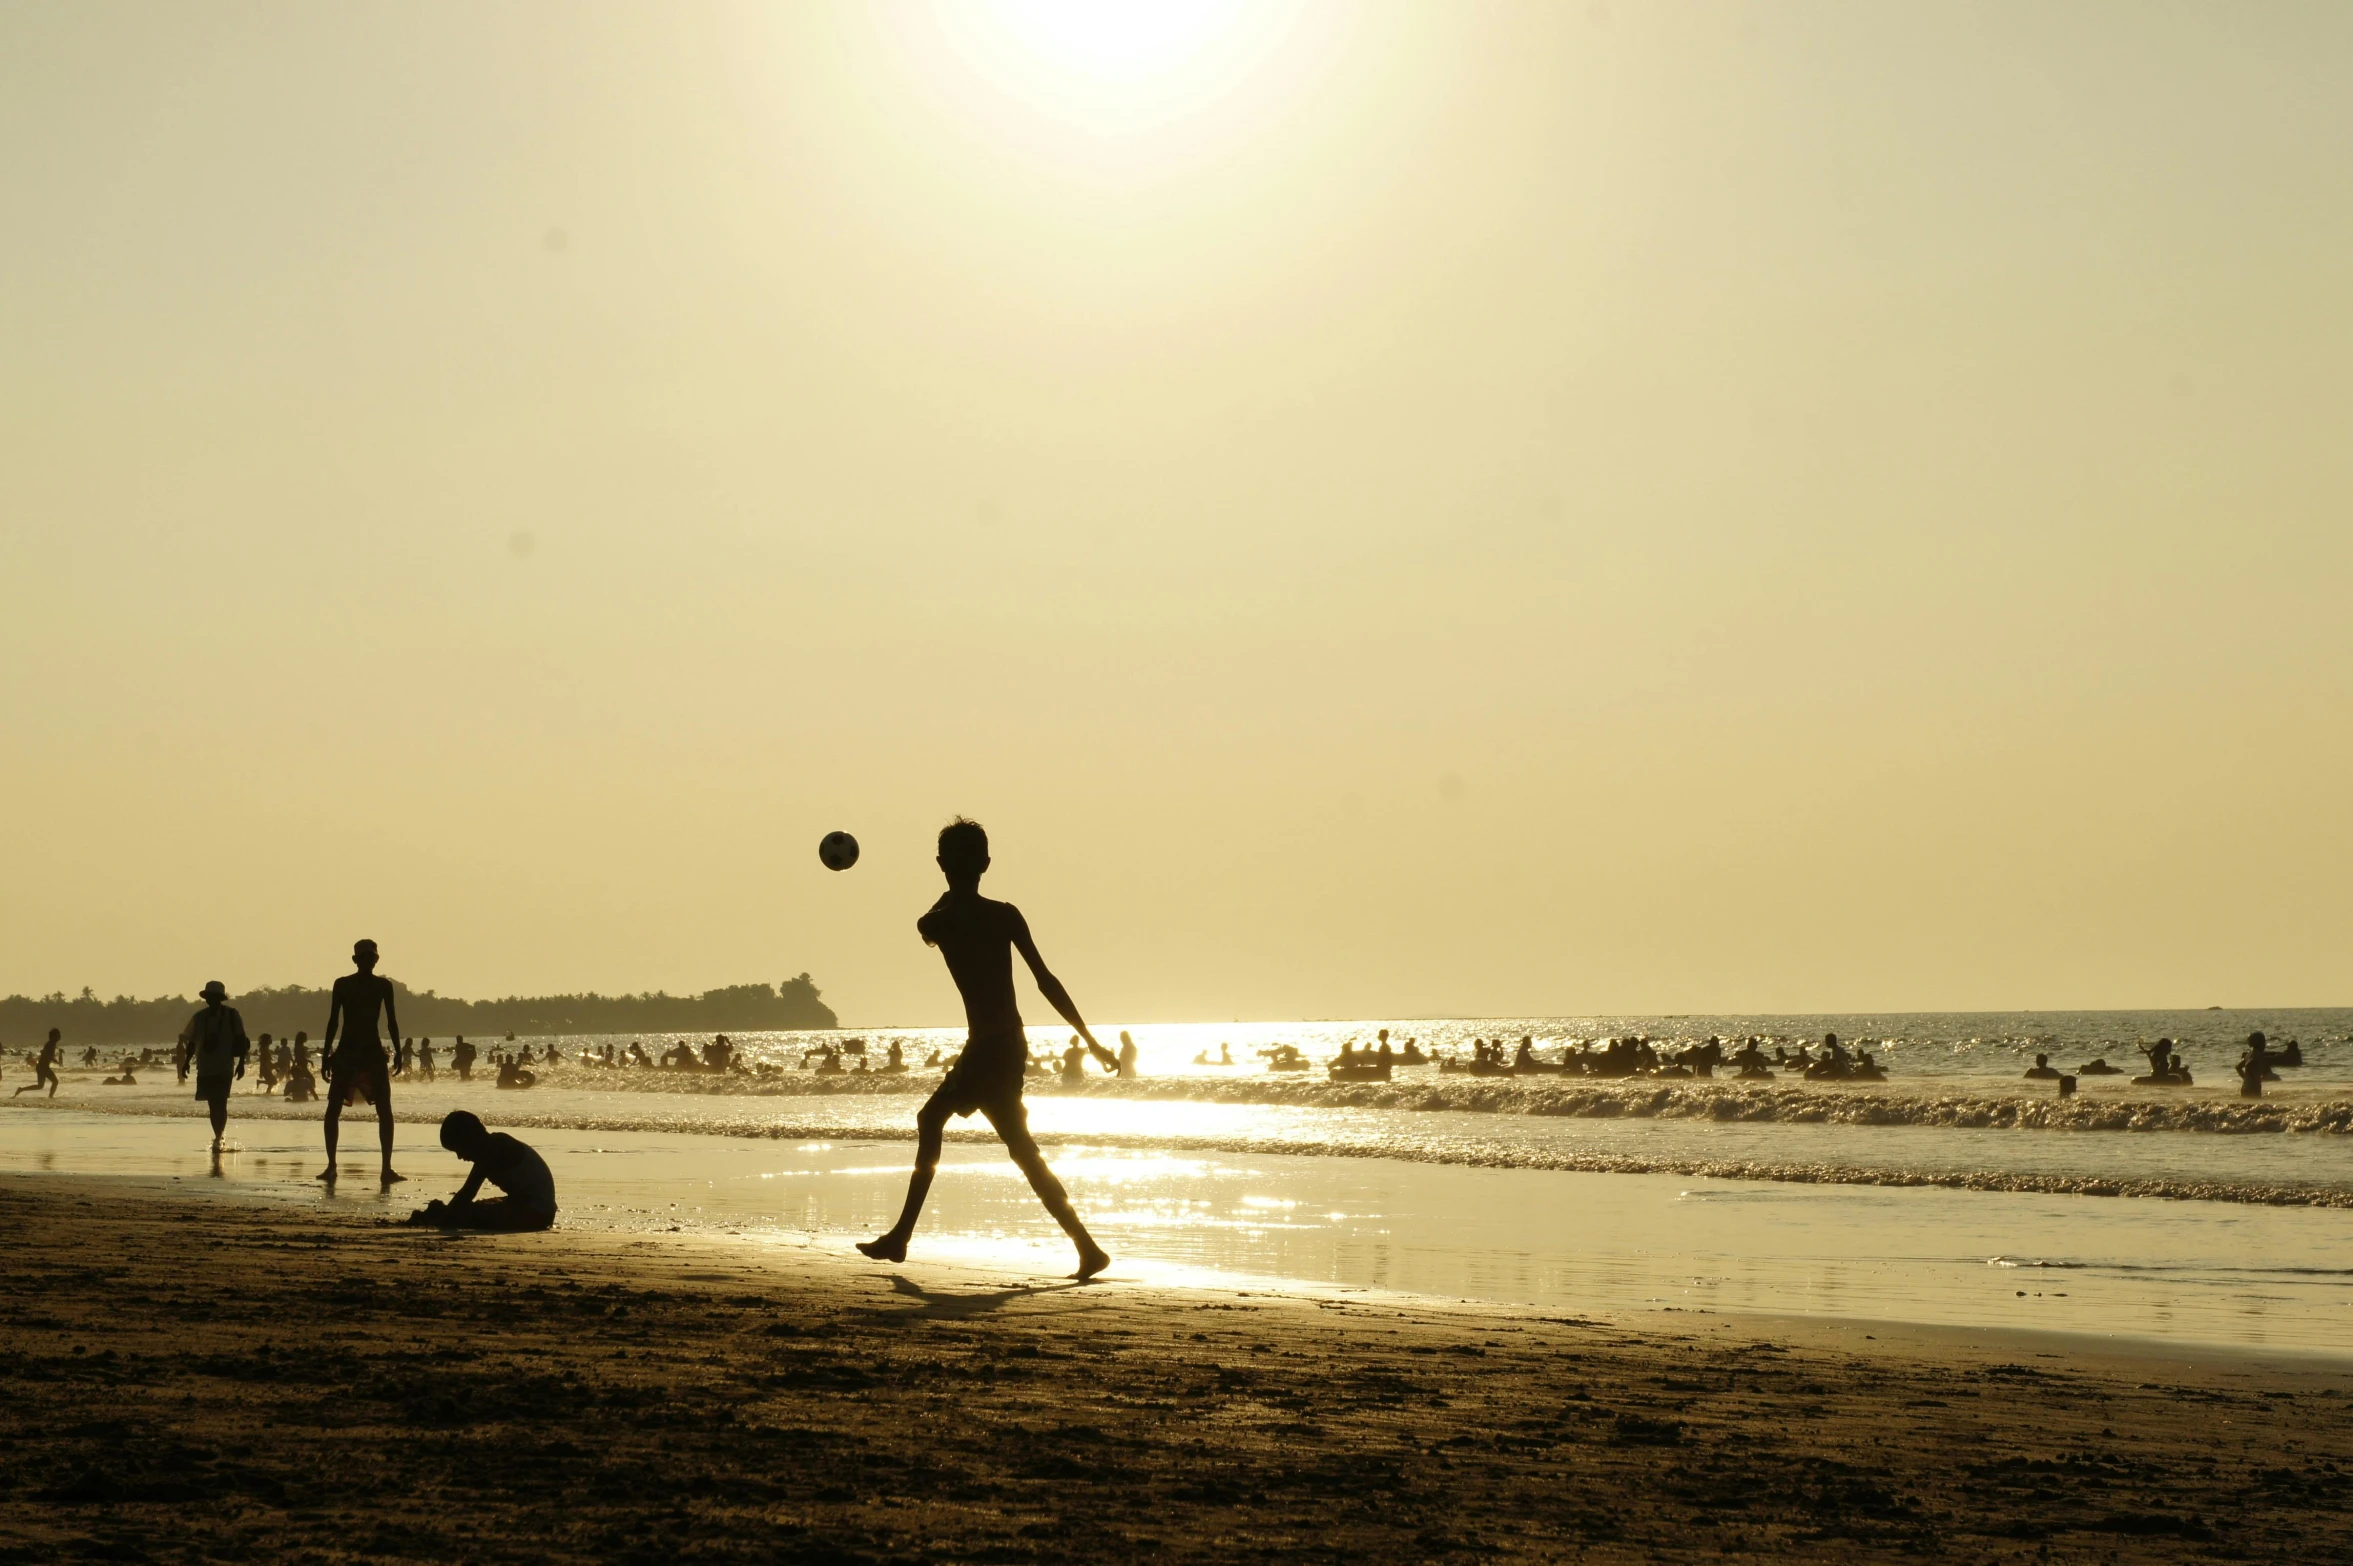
[(987, 1075)]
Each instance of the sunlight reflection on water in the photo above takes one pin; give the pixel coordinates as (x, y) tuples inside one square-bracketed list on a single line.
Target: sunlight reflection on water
[(2198, 1271)]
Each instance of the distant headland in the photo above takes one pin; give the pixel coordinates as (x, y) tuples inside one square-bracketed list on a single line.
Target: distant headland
[(791, 1006)]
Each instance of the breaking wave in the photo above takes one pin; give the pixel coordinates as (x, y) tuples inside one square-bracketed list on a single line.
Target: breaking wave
[(1585, 1099)]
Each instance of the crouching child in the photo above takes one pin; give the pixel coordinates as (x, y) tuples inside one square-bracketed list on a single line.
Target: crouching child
[(509, 1164)]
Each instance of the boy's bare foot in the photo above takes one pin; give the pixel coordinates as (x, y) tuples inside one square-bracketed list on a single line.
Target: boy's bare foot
[(1092, 1260), (328, 1174), (888, 1247), (387, 1177)]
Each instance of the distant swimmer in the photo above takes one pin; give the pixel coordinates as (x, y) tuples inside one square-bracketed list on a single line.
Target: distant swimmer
[(2254, 1065), (301, 1085), (265, 1065), (978, 937), (1702, 1059), (215, 1041), (425, 1060), (2165, 1067), (461, 1058), (2097, 1068), (44, 1067), (1839, 1064), (360, 1067), (2042, 1070), (1127, 1056), (514, 1166)]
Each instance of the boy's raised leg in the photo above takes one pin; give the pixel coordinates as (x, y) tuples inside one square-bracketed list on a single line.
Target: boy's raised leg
[(1012, 1123)]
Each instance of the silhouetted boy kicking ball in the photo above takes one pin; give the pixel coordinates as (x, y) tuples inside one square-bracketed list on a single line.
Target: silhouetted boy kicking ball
[(509, 1164), (978, 938)]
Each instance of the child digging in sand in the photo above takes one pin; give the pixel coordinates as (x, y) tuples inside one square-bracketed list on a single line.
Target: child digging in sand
[(506, 1162), (978, 937)]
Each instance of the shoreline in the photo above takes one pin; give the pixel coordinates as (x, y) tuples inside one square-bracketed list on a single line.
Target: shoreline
[(199, 1375), (1826, 1332), (515, 1112)]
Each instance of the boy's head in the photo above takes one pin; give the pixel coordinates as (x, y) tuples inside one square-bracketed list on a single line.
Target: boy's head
[(463, 1133), (964, 851)]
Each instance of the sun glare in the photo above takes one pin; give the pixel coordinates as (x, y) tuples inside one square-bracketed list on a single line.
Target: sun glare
[(1111, 67), (1107, 41)]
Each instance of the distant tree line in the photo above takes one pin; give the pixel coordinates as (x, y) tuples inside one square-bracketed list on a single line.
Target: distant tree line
[(792, 1006)]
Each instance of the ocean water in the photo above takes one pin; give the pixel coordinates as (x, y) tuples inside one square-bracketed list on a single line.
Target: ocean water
[(1957, 1192)]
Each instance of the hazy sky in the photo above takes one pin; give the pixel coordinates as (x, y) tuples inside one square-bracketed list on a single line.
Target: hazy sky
[(1381, 510)]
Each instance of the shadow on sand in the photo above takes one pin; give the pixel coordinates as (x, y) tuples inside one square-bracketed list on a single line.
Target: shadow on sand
[(941, 1305)]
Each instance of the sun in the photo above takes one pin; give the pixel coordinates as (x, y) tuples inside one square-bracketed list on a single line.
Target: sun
[(1111, 42), (1105, 67)]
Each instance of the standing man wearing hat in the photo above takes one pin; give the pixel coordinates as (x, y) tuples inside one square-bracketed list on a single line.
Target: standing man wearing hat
[(360, 1068), (215, 1040)]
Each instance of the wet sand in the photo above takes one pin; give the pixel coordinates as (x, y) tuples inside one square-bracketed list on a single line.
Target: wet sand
[(193, 1378)]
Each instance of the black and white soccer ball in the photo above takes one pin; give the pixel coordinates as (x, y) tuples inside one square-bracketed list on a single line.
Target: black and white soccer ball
[(839, 850)]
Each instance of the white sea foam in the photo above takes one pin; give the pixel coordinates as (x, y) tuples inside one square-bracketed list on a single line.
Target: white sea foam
[(1790, 1103)]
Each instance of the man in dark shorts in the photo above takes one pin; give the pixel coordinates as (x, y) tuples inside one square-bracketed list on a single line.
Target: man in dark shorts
[(978, 937), (506, 1162), (360, 1068), (214, 1040)]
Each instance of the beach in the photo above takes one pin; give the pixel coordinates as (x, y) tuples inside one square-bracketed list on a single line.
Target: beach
[(1593, 742), (1955, 1194), (192, 1377)]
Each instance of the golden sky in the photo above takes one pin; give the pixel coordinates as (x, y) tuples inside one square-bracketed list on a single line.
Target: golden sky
[(1380, 509)]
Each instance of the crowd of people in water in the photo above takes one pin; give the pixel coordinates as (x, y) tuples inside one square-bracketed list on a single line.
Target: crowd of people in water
[(286, 1067), (1609, 1058), (2257, 1064)]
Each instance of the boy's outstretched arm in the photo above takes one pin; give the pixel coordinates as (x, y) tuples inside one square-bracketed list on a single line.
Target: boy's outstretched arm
[(466, 1192), (1051, 987)]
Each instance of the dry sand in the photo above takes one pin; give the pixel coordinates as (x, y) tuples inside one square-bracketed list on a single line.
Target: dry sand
[(190, 1379)]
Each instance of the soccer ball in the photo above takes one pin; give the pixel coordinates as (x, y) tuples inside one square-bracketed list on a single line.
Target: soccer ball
[(839, 850)]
